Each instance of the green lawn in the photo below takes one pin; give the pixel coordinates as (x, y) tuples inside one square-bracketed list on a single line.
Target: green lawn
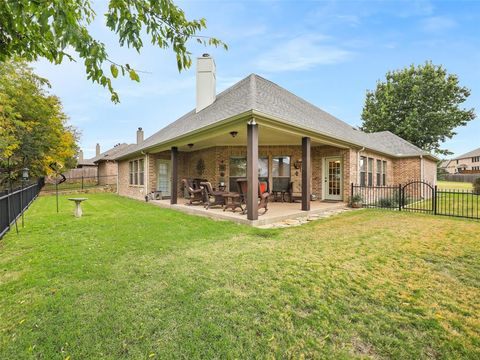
[(130, 280), (454, 185)]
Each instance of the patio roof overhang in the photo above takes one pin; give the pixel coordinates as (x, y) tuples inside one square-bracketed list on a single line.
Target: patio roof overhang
[(271, 132), (279, 132)]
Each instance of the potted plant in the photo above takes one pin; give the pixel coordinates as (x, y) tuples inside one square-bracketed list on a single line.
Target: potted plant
[(356, 201)]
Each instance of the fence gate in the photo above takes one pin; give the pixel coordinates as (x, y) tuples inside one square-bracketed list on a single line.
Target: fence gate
[(418, 196)]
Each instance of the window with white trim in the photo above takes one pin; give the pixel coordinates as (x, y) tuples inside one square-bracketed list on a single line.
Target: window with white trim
[(363, 170), (379, 172), (370, 172), (384, 172), (137, 172), (476, 159)]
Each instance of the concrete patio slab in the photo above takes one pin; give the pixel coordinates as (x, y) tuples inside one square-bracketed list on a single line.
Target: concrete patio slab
[(277, 211)]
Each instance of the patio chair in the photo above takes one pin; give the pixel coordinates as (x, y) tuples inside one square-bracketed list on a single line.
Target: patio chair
[(212, 197), (295, 191), (281, 188), (193, 195), (263, 195)]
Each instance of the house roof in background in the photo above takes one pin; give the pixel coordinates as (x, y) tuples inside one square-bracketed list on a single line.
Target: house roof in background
[(472, 153), (261, 95), (110, 153)]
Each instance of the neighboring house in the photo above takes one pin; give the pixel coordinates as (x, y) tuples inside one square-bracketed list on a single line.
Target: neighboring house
[(257, 129), (448, 166), (466, 163), (107, 166), (86, 163)]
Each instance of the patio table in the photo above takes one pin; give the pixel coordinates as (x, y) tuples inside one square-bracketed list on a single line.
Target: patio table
[(232, 201), (78, 206)]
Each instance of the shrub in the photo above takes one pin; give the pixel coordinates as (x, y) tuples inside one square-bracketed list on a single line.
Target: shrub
[(356, 199), (387, 202), (476, 186)]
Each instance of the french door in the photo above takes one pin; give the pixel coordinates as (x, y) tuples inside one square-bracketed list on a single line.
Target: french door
[(164, 177), (333, 178)]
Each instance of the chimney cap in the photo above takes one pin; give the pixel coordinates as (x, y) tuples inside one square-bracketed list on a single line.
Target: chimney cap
[(206, 55), (140, 128)]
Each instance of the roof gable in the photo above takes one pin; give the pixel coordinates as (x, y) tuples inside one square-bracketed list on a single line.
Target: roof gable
[(258, 94)]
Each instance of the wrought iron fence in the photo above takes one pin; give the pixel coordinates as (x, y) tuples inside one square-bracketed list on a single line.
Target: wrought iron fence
[(13, 203), (419, 196), (82, 183)]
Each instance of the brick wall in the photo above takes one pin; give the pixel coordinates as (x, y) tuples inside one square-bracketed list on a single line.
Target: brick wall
[(107, 172), (124, 188), (398, 170), (406, 169), (430, 171)]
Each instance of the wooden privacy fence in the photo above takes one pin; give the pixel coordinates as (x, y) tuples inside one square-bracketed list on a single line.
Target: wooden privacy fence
[(461, 177), (13, 204), (419, 196)]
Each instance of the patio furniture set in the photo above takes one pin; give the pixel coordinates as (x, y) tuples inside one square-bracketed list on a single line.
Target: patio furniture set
[(204, 194)]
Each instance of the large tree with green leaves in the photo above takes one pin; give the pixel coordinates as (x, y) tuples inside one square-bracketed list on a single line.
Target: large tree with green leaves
[(421, 104), (33, 128), (58, 29)]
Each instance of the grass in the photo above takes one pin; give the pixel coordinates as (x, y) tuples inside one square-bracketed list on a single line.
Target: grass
[(454, 185), (130, 280)]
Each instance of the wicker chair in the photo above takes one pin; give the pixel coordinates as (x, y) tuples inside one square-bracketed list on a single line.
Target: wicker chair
[(212, 197), (195, 196)]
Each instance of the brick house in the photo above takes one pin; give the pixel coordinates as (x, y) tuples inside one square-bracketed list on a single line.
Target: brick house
[(466, 163), (257, 129)]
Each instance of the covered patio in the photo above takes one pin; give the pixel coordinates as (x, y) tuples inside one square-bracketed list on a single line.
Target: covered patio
[(277, 211), (255, 139)]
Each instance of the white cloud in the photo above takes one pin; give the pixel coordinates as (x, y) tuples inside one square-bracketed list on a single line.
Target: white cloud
[(437, 23), (302, 53)]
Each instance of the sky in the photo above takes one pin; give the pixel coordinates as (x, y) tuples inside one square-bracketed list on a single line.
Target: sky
[(327, 52)]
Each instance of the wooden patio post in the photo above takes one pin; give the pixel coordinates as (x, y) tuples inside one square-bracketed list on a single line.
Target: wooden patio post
[(174, 157), (306, 173), (252, 170)]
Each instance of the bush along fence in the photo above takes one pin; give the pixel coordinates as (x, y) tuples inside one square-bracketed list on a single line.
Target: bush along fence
[(14, 203), (108, 182), (418, 196)]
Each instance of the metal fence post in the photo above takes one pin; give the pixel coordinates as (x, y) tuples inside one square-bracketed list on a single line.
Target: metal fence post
[(400, 197), (351, 192), (82, 182), (434, 198)]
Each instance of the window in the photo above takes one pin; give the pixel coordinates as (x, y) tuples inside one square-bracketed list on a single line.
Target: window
[(363, 170), (130, 168), (370, 172), (141, 171), (379, 172), (137, 172), (281, 166), (238, 170), (475, 167), (476, 159), (384, 173)]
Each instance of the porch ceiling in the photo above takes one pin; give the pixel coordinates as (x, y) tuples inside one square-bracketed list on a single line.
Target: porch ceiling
[(267, 136)]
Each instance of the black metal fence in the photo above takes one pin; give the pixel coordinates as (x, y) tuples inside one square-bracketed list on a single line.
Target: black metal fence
[(419, 196), (82, 183), (13, 203)]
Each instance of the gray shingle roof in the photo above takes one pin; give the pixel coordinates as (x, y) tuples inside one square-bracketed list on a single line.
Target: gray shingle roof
[(469, 154), (110, 154), (257, 93)]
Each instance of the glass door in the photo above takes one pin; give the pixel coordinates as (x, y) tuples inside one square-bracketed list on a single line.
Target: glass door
[(333, 178), (164, 177)]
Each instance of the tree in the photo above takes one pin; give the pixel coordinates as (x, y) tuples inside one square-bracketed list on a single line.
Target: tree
[(421, 104), (56, 29), (33, 126)]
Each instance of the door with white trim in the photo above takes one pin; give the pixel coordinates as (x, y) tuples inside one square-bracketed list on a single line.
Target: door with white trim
[(164, 177), (333, 178)]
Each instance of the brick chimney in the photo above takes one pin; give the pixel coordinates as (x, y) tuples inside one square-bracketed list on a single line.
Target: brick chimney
[(206, 81), (139, 135), (80, 156), (97, 149)]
